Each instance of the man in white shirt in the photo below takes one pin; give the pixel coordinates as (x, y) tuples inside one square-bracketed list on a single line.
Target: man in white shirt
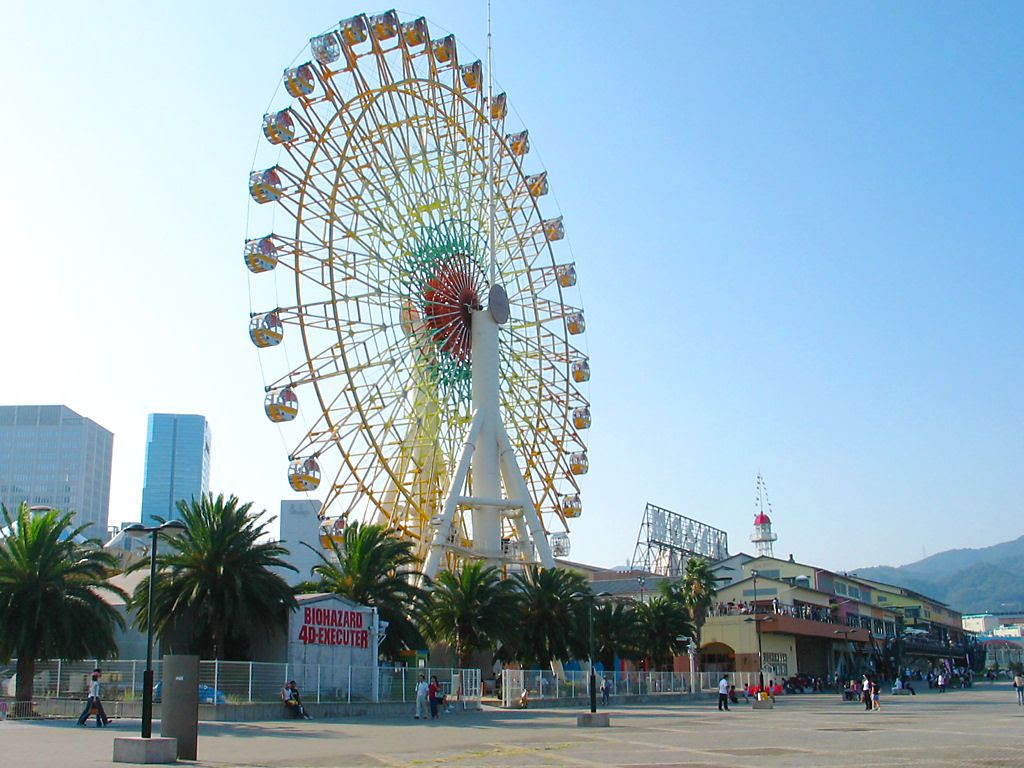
[(723, 693), (421, 698)]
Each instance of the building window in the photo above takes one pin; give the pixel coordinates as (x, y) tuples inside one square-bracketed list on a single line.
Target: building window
[(777, 664), (840, 588)]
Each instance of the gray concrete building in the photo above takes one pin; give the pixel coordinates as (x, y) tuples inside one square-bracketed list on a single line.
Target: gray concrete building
[(300, 525), (51, 456)]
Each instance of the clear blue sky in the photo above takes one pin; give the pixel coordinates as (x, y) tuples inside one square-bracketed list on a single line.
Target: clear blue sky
[(797, 227)]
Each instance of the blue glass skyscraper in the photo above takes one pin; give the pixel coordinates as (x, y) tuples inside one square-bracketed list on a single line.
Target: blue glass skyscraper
[(177, 463)]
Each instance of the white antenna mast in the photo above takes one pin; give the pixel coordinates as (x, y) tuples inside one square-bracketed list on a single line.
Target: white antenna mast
[(490, 152)]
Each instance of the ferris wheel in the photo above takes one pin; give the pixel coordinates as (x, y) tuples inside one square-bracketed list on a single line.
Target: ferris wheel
[(386, 184)]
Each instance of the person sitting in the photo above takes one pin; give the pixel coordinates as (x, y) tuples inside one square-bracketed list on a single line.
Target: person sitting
[(733, 698), (293, 701)]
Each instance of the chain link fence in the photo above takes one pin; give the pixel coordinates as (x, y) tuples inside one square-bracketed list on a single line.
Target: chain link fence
[(241, 682)]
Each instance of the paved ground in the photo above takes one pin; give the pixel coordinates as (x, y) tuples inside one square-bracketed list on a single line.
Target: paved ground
[(978, 727)]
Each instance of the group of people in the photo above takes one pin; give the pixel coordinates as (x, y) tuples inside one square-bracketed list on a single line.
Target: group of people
[(293, 701), (940, 678), (870, 694), (727, 692), (430, 694), (812, 612)]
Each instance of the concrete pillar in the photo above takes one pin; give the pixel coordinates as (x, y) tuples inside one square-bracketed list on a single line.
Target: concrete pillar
[(180, 703)]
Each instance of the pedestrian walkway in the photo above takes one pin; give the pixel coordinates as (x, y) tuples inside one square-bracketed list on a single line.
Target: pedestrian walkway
[(976, 727)]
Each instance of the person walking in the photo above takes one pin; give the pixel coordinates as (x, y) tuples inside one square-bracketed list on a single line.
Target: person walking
[(723, 693), (876, 704), (1018, 684), (93, 704), (941, 682), (434, 696), (865, 693), (422, 689)]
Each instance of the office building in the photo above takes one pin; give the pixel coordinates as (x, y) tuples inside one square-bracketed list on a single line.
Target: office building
[(300, 526), (51, 456), (177, 464)]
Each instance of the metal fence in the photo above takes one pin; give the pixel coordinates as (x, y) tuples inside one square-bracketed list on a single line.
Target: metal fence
[(241, 682), (544, 684)]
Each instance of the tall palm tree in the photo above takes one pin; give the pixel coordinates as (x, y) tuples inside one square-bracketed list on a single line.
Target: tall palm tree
[(371, 566), (697, 591), (553, 615), (50, 595), (471, 610), (215, 582), (615, 632), (664, 626)]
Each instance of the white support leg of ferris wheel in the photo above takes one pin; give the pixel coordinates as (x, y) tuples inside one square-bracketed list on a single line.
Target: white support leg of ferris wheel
[(446, 522), (489, 453), (527, 516)]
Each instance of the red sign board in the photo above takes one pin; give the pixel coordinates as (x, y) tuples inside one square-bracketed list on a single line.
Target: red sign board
[(334, 626)]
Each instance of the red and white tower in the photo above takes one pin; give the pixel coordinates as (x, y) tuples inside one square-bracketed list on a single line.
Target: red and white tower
[(762, 535)]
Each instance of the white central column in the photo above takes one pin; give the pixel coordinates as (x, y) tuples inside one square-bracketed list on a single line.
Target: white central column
[(486, 469)]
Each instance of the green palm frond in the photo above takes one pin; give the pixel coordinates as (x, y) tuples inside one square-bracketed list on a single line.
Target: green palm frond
[(216, 579)]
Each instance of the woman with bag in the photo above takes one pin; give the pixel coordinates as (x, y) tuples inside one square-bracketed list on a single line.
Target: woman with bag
[(434, 696), (93, 705)]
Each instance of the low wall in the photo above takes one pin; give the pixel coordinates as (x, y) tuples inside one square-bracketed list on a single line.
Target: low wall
[(268, 711), (615, 701)]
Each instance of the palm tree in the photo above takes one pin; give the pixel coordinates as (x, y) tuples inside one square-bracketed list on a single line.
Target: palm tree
[(471, 610), (50, 601), (615, 632), (371, 566), (216, 584), (664, 626), (553, 615), (697, 591)]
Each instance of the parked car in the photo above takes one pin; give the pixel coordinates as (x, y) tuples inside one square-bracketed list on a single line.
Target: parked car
[(207, 694)]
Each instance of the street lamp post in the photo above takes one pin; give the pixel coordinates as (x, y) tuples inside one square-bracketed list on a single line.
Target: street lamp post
[(593, 677), (691, 647), (641, 581), (147, 676), (757, 630)]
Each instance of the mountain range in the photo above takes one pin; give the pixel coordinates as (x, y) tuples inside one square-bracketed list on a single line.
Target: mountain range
[(968, 580)]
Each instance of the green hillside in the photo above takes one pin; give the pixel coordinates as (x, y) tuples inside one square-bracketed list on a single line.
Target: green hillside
[(969, 580)]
